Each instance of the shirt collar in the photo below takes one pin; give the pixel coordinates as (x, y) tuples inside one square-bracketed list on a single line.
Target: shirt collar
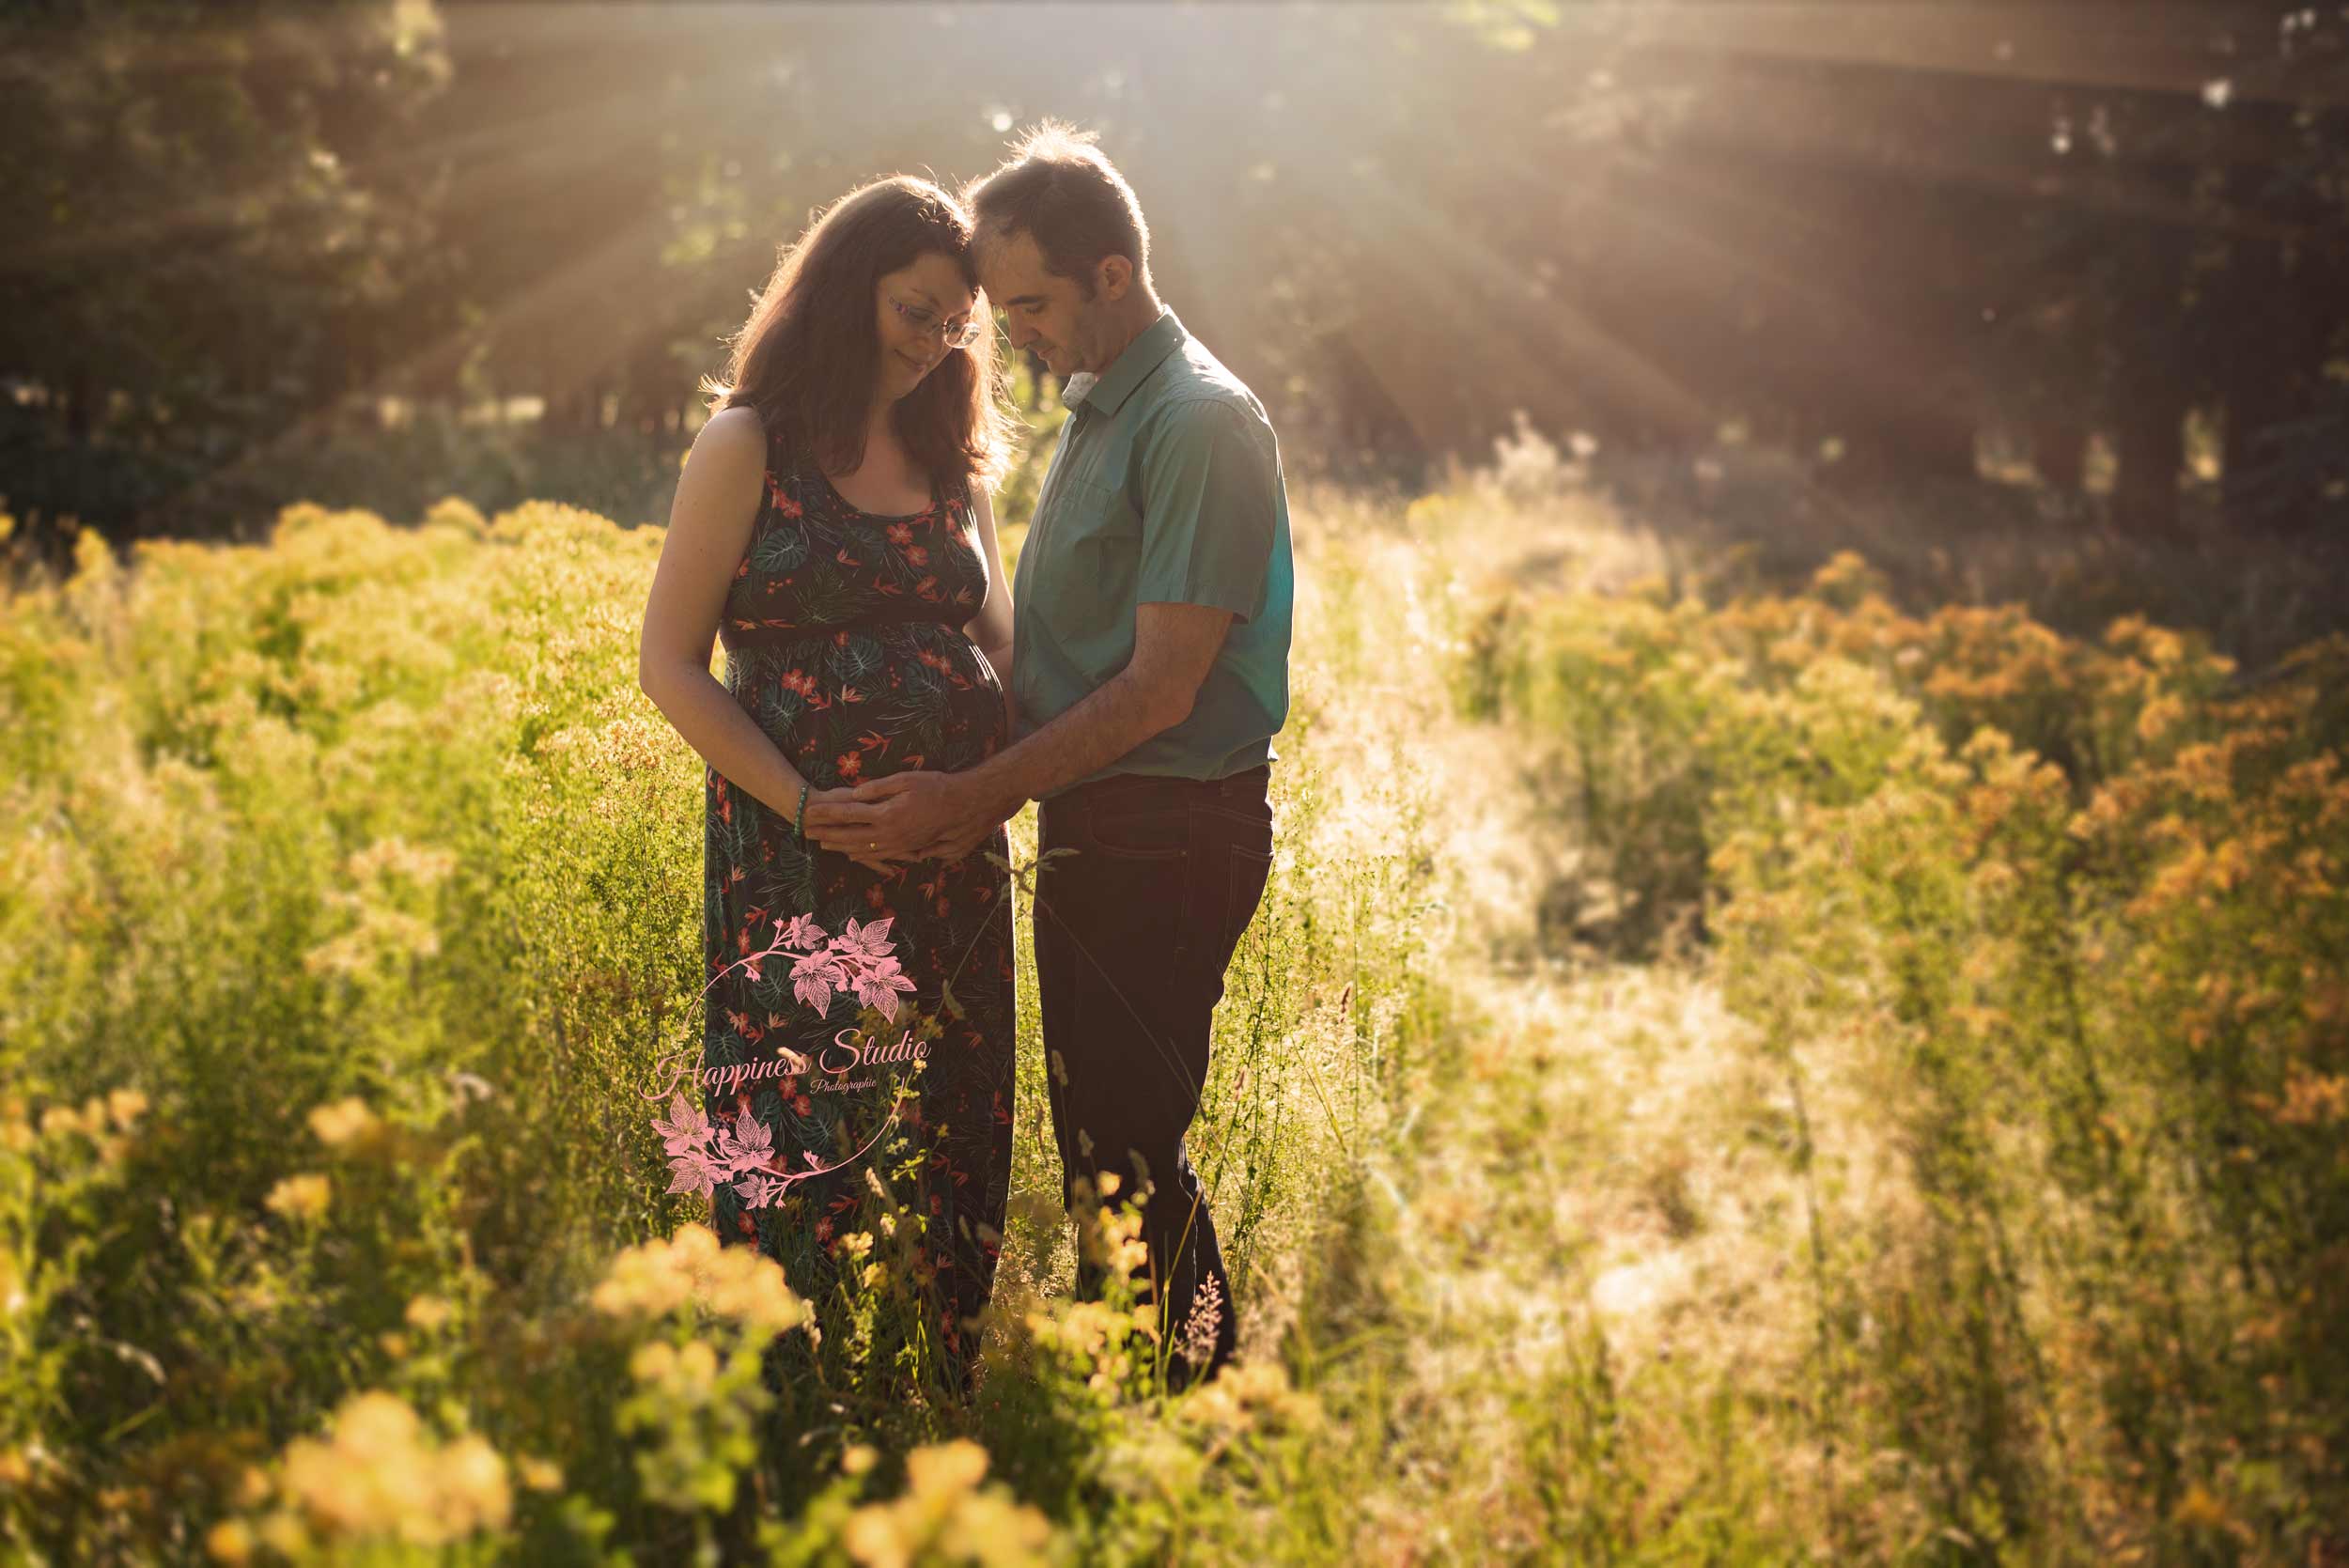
[(1133, 366)]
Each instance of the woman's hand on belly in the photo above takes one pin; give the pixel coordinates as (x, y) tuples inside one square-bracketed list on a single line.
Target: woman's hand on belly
[(883, 861), (915, 815)]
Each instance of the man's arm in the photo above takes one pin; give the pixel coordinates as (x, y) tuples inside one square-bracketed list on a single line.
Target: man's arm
[(927, 815), (1210, 488), (1175, 647)]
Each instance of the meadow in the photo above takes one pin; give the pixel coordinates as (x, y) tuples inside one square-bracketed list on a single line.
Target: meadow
[(1724, 1071)]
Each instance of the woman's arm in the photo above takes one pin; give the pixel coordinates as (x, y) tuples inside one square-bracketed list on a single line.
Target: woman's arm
[(990, 629), (710, 523)]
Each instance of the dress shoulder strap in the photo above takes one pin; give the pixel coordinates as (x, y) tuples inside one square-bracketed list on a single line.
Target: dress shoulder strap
[(958, 494), (783, 453)]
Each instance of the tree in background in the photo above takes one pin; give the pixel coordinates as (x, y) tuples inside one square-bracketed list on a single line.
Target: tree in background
[(197, 268), (1875, 238)]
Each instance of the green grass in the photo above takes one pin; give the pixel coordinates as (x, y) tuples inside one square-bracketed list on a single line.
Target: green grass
[(1717, 1075)]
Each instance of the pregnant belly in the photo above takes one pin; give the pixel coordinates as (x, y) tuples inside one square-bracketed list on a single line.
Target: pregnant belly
[(864, 704)]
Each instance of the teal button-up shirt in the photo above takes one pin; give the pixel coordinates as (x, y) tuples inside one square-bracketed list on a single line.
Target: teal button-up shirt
[(1165, 488)]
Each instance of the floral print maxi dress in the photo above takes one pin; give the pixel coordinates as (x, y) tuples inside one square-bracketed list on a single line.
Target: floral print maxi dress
[(844, 641)]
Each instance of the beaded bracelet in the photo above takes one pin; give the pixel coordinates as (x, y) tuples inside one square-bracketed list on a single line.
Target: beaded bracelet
[(799, 827)]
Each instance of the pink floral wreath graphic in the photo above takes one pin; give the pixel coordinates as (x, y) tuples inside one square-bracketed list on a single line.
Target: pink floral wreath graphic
[(703, 1155)]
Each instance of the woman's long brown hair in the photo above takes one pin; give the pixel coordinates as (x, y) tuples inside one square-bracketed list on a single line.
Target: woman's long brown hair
[(808, 356)]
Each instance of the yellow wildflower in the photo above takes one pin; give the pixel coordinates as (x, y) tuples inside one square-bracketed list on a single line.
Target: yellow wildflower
[(282, 1533), (1245, 1392), (2199, 1510), (429, 1312), (943, 1505), (684, 1373), (658, 1277), (380, 1473), (303, 1197), (945, 1468), (345, 1121), (230, 1540), (2158, 714), (2313, 1099), (473, 1492), (1115, 1241)]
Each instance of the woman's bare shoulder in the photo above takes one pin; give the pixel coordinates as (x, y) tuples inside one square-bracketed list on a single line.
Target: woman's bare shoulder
[(723, 479), (733, 435)]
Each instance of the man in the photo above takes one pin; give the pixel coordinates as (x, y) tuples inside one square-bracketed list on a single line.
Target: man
[(1149, 674)]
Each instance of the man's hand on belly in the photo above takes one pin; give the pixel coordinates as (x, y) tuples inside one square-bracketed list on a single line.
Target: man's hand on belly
[(929, 815), (919, 814)]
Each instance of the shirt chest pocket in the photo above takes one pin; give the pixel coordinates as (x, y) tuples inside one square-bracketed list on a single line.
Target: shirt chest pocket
[(1085, 576)]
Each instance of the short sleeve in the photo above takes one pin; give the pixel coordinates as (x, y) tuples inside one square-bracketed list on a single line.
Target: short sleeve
[(1211, 498)]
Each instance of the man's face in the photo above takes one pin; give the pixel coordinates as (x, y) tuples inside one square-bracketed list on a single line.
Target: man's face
[(1048, 314)]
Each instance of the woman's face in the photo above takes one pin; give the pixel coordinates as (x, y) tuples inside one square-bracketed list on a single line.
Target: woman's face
[(913, 304)]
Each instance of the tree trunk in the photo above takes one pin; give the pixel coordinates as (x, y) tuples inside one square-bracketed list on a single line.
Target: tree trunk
[(1930, 444), (78, 399), (2058, 450), (2150, 436), (2255, 405)]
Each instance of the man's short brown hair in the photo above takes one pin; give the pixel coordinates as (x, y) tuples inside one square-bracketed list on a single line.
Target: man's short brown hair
[(1060, 190)]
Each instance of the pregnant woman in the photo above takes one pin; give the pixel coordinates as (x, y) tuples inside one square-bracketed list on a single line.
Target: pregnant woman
[(833, 528)]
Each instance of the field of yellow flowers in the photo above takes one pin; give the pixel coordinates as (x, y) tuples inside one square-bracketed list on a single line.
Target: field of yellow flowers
[(1718, 1076)]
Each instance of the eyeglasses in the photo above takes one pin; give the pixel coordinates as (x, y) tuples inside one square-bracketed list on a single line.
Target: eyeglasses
[(955, 335)]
